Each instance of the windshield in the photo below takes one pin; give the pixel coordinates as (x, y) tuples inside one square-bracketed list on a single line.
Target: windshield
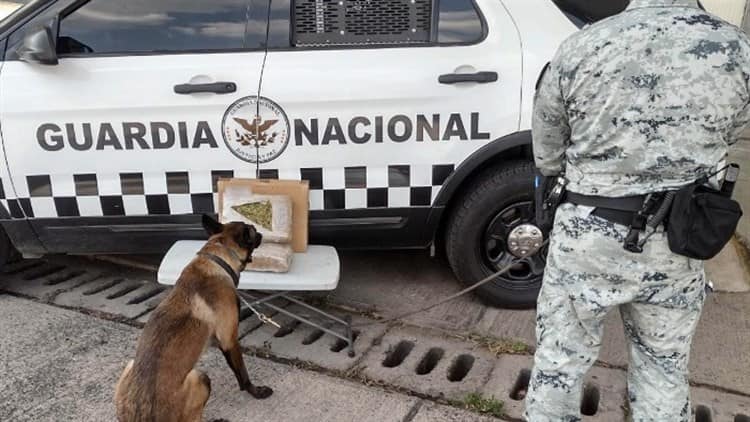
[(582, 12)]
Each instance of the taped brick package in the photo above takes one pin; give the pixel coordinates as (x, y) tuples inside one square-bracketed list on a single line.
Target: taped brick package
[(271, 257)]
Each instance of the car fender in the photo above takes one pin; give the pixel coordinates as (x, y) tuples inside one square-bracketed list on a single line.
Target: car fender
[(513, 146)]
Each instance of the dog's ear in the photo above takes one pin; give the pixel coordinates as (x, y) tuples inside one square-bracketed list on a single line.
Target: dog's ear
[(212, 226)]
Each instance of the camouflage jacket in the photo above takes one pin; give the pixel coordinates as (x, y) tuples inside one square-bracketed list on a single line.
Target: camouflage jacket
[(644, 101)]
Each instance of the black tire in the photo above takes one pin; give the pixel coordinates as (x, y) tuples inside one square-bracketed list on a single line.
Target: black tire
[(499, 199)]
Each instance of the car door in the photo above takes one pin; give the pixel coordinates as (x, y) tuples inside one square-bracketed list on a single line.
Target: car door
[(384, 99), (122, 138)]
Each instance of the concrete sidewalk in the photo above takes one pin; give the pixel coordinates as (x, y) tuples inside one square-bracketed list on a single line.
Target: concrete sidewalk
[(60, 365)]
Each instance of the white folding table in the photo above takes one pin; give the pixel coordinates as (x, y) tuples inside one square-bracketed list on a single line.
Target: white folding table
[(318, 269)]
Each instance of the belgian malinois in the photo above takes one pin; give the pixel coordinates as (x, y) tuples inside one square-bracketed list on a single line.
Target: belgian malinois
[(160, 384)]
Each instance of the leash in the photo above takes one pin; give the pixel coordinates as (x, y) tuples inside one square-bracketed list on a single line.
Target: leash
[(262, 317), (454, 296), (531, 251)]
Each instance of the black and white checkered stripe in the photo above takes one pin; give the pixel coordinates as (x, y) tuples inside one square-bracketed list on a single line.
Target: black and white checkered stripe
[(133, 194)]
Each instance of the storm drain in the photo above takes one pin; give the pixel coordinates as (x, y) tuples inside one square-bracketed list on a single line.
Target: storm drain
[(430, 361), (396, 356), (43, 280), (20, 266), (433, 365), (590, 400), (41, 271), (286, 329), (521, 385), (706, 414), (80, 283), (703, 414), (339, 344), (303, 342), (314, 336), (460, 368)]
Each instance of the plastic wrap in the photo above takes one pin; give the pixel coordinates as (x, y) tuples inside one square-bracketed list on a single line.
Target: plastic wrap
[(270, 214), (271, 257)]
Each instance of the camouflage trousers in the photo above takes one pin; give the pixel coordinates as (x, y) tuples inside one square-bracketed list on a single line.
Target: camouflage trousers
[(660, 297)]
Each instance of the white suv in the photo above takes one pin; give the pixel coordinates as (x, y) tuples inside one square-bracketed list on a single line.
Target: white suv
[(409, 118)]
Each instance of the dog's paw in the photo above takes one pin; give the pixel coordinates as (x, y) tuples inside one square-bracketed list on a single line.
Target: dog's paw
[(261, 392)]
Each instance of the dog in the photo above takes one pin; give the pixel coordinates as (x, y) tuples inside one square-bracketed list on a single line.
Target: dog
[(161, 384)]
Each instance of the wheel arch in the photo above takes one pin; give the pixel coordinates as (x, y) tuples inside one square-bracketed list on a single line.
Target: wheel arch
[(507, 148)]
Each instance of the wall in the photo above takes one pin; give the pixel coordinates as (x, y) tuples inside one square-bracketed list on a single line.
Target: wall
[(731, 10)]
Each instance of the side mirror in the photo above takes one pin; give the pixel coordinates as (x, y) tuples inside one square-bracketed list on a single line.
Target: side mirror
[(39, 47)]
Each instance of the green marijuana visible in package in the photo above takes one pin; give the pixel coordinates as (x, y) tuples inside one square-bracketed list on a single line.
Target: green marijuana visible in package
[(259, 212)]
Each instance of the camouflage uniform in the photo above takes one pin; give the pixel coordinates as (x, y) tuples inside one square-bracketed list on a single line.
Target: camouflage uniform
[(644, 101)]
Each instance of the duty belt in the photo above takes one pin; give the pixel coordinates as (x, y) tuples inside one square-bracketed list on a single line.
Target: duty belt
[(617, 210)]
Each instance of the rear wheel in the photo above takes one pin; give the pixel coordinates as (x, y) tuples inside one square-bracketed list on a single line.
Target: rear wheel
[(483, 233)]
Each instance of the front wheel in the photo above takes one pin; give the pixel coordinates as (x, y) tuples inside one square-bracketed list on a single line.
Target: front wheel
[(485, 233)]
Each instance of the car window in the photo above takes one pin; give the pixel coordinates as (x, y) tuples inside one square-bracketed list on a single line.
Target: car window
[(326, 23), (138, 26), (362, 23), (459, 22)]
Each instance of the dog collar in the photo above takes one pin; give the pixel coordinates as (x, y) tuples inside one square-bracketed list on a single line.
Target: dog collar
[(243, 262), (223, 264)]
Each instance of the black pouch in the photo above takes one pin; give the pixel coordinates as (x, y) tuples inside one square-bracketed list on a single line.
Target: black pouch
[(701, 222)]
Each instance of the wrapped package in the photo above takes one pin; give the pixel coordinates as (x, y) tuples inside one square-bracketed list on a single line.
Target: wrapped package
[(271, 257), (237, 192), (270, 214)]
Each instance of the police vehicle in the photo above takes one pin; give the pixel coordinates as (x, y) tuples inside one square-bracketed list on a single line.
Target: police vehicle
[(409, 118)]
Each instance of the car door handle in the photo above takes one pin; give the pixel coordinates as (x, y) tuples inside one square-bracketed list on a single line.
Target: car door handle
[(216, 88), (479, 77)]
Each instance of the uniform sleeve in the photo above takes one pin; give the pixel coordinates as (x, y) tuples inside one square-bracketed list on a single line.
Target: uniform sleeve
[(741, 122), (550, 130)]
